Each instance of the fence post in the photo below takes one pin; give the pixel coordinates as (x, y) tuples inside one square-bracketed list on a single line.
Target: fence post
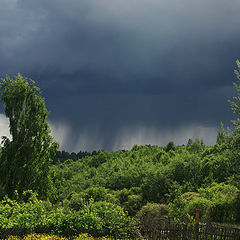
[(196, 227)]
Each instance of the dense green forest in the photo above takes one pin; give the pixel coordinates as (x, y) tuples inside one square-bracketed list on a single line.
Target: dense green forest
[(112, 190), (195, 174)]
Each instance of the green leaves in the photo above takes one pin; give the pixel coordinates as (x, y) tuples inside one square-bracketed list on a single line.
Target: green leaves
[(236, 100), (218, 202), (26, 157), (98, 217)]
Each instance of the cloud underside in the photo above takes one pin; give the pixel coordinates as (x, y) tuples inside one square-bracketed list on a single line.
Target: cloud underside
[(89, 140), (143, 135), (85, 45), (114, 72)]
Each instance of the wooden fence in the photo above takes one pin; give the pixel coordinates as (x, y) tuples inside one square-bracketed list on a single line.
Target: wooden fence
[(167, 229)]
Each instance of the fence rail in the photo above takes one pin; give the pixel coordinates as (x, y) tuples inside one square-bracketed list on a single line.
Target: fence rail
[(165, 229), (169, 230)]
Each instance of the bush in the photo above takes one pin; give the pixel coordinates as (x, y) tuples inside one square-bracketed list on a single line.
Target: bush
[(150, 216), (155, 186), (113, 218), (97, 218), (21, 214), (129, 199), (225, 202), (204, 205), (218, 202), (133, 204), (77, 201)]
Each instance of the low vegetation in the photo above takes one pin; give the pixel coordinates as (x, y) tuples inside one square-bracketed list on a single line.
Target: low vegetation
[(56, 237)]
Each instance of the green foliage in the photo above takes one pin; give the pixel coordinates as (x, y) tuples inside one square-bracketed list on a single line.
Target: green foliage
[(170, 146), (236, 100), (156, 174), (98, 159), (99, 218), (130, 199), (150, 174), (71, 177), (216, 167), (218, 202), (25, 159), (202, 204), (155, 186), (150, 216), (112, 217), (21, 214), (98, 194), (225, 202), (177, 209), (78, 200), (152, 211), (196, 146), (133, 204)]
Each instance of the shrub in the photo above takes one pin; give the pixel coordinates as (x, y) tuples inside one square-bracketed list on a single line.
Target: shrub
[(130, 200), (225, 202), (21, 214), (113, 218), (77, 202), (133, 204), (98, 218), (218, 202), (150, 216), (204, 205)]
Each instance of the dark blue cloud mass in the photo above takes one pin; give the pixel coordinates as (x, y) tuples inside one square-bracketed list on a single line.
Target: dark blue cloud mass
[(116, 73)]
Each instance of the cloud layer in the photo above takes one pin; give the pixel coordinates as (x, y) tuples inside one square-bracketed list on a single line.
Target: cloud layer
[(87, 140), (107, 66)]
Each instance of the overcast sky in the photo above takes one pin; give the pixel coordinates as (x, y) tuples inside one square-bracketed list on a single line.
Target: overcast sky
[(119, 72)]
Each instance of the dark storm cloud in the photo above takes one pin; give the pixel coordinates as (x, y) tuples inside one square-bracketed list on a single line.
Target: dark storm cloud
[(110, 69)]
